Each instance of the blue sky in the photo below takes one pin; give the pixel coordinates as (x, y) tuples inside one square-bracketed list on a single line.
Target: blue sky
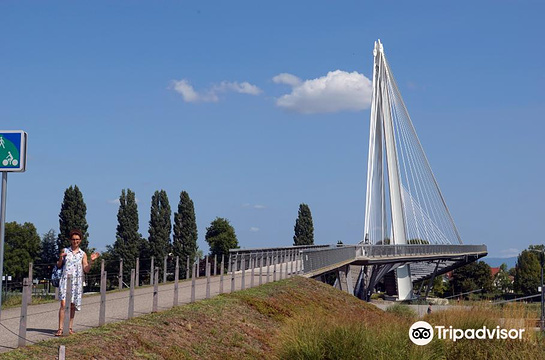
[(222, 100)]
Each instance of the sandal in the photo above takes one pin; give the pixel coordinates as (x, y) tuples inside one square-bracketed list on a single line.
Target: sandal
[(59, 332), (71, 331)]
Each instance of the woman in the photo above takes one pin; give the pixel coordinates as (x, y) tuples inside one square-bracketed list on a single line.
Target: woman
[(73, 261)]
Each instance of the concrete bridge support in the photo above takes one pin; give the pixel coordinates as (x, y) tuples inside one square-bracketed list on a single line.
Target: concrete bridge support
[(344, 279)]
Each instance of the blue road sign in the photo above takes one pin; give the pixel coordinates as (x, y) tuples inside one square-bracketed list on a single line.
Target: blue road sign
[(13, 150)]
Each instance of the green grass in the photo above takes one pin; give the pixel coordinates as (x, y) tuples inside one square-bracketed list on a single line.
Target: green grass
[(291, 319), (403, 311), (16, 299)]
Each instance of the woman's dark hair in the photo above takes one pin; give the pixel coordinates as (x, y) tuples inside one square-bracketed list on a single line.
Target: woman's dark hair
[(75, 232)]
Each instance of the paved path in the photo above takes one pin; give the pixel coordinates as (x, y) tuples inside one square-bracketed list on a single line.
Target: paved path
[(42, 320), (421, 310)]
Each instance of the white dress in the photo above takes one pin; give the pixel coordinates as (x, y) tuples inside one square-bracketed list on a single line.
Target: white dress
[(73, 266)]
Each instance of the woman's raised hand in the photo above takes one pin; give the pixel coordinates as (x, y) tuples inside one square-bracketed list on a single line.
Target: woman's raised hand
[(94, 256)]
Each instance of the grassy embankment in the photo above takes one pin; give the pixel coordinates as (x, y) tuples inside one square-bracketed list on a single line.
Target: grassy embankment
[(291, 319)]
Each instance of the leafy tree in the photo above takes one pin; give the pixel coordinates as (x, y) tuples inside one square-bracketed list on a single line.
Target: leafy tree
[(440, 285), (473, 276), (49, 254), (159, 227), (502, 282), (304, 228), (221, 237), (537, 248), (22, 246), (528, 272), (128, 240), (72, 216), (184, 242)]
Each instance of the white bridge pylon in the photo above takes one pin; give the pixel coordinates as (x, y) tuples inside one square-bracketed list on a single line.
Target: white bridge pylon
[(404, 204)]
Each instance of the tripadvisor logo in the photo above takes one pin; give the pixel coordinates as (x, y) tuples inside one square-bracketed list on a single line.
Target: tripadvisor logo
[(421, 333)]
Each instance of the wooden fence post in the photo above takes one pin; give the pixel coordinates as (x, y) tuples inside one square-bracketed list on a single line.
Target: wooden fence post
[(193, 282), (102, 310), (151, 271), (275, 260), (243, 269), (187, 269), (120, 276), (233, 277), (215, 264), (252, 265), (165, 264), (155, 289), (281, 256), (23, 320), (221, 273), (206, 266), (208, 280), (131, 294), (67, 303), (30, 277), (137, 275), (261, 268), (268, 267), (291, 262), (176, 279)]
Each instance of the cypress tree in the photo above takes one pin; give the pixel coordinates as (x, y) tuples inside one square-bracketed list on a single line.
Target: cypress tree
[(159, 227), (49, 253), (128, 239), (221, 237), (72, 216), (184, 242), (304, 228)]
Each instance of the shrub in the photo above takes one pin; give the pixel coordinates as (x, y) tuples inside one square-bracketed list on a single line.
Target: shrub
[(403, 311)]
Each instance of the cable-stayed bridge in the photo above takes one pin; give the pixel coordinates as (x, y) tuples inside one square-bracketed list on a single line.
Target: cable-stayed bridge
[(409, 233)]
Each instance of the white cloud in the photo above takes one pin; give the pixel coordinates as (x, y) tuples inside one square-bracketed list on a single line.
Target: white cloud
[(184, 88), (254, 229), (256, 206), (189, 94), (508, 253), (337, 91), (242, 88), (287, 79)]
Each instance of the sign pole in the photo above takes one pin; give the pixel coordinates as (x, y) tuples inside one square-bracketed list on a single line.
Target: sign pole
[(2, 228), (13, 146)]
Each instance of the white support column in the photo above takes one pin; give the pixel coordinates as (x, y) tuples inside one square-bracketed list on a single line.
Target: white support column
[(382, 98)]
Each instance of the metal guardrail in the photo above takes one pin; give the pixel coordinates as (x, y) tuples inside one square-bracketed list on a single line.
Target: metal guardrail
[(321, 258), (270, 249), (314, 259), (413, 249)]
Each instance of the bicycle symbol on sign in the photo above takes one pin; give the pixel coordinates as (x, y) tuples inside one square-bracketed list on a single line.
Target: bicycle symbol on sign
[(9, 160)]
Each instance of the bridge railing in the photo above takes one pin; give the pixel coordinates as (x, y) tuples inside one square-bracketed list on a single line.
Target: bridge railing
[(320, 258), (413, 249)]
